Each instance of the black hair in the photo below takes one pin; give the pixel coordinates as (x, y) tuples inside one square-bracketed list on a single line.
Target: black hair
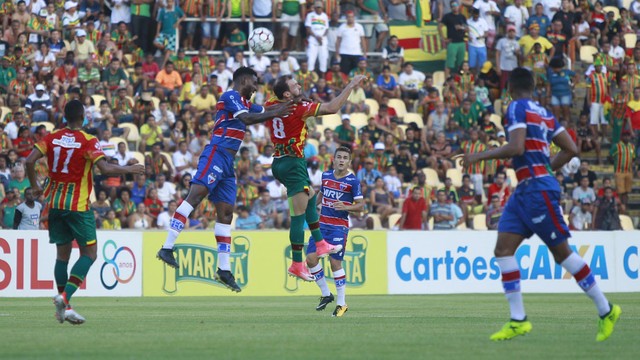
[(74, 112), (466, 176), (281, 86), (521, 81), (243, 72)]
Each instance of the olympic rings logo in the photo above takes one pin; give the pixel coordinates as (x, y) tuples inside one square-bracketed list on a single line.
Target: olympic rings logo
[(128, 267)]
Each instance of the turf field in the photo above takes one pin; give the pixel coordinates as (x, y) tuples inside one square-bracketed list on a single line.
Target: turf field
[(376, 327)]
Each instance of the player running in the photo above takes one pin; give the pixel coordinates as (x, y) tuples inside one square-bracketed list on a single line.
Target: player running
[(340, 193), (534, 207), (289, 134), (216, 175), (71, 154)]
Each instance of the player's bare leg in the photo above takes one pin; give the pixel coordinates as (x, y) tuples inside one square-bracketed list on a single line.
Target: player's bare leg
[(222, 230), (504, 251), (577, 267), (197, 192)]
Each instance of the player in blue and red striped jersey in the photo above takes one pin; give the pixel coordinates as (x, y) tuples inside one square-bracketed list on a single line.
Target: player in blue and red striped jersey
[(215, 176), (534, 207), (340, 193)]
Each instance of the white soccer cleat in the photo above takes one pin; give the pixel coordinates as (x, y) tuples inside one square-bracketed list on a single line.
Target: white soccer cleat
[(60, 305), (73, 317)]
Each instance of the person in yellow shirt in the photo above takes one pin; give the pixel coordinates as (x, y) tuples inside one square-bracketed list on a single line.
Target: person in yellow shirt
[(203, 102), (526, 42), (151, 133), (167, 81), (191, 88), (111, 222)]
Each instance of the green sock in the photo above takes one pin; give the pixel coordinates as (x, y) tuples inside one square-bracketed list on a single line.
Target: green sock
[(60, 274), (311, 214), (296, 236), (78, 273)]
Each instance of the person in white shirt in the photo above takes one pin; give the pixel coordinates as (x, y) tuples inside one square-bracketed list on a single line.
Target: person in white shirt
[(123, 156), (489, 11), (27, 214), (392, 182), (616, 52), (120, 11), (236, 61), (164, 117), (551, 7), (478, 29), (166, 191), (517, 15), (266, 159), (183, 160), (224, 76), (164, 218), (259, 63), (581, 217), (410, 82), (317, 24), (350, 44), (288, 64)]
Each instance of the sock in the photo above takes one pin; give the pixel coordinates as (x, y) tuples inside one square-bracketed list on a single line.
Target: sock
[(341, 284), (296, 236), (311, 215), (78, 273), (60, 274), (321, 281), (223, 238), (511, 285), (575, 265), (177, 224)]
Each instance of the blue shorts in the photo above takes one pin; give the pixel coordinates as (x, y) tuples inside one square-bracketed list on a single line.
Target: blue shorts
[(477, 56), (535, 213), (334, 236), (215, 171), (561, 100)]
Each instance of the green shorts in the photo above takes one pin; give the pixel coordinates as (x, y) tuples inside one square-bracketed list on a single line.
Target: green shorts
[(292, 173), (455, 55), (67, 225)]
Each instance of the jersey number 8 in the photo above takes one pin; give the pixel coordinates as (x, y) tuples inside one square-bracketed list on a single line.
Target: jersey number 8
[(278, 128)]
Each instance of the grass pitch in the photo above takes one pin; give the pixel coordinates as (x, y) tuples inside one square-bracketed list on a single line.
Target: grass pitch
[(375, 327)]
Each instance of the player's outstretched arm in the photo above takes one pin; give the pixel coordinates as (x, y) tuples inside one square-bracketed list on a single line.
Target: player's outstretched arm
[(277, 110), (112, 169), (338, 102), (515, 147), (568, 150), (31, 170)]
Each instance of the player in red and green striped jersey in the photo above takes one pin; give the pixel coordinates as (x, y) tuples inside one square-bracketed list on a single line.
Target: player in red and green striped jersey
[(476, 170), (71, 154), (624, 156), (598, 83)]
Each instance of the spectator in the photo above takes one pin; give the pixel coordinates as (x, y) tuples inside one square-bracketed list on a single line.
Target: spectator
[(494, 212), (27, 214), (153, 204), (507, 55), (457, 28), (582, 171), (446, 216), (138, 191), (346, 133), (393, 55), (140, 219), (237, 40), (607, 212), (386, 85), (123, 205), (587, 141), (82, 48), (293, 13), (599, 85), (368, 174), (559, 88), (164, 218), (38, 105), (478, 31), (111, 222), (414, 212), (8, 207), (499, 187), (248, 221), (317, 25), (101, 205), (583, 192), (392, 183), (350, 43), (581, 217), (169, 19), (265, 208), (183, 160), (624, 161), (381, 201), (167, 80), (410, 82), (23, 144)]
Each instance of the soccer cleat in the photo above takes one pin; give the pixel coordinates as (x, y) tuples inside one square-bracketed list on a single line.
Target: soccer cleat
[(324, 249), (300, 270), (73, 317), (340, 310), (61, 304), (166, 255), (324, 301), (226, 278), (606, 323), (512, 329)]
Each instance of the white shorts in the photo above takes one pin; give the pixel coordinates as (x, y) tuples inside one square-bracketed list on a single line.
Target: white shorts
[(292, 22), (368, 28), (597, 114), (478, 184)]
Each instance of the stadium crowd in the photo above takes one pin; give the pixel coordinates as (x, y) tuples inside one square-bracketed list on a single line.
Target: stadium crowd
[(149, 102)]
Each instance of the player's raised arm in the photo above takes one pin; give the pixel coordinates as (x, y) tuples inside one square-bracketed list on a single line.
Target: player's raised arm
[(339, 101), (568, 150), (277, 110), (107, 168)]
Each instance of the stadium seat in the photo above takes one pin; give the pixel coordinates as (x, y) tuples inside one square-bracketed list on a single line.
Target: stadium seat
[(134, 133), (566, 218), (129, 60), (48, 125), (138, 156), (456, 177), (627, 4), (430, 224), (377, 225), (115, 140), (587, 52), (616, 12), (97, 99), (438, 78), (462, 226), (630, 40), (393, 219), (399, 106), (432, 177), (458, 163), (166, 154), (414, 117), (480, 222), (511, 175), (359, 119), (320, 129), (156, 102), (497, 121), (5, 112), (626, 222), (373, 106), (331, 121)]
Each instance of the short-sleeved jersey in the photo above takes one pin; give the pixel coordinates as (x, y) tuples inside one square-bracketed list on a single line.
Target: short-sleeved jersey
[(345, 189), (228, 130), (533, 168), (289, 133), (70, 156)]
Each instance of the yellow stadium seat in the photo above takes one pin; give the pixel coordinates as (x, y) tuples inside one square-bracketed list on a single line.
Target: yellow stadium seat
[(331, 121), (432, 177), (566, 218), (138, 156), (115, 140), (97, 99), (156, 102), (511, 175), (462, 226), (393, 219), (5, 111), (373, 106), (456, 177), (626, 222), (377, 224), (399, 106), (430, 224), (134, 133), (630, 40), (497, 121), (47, 125), (438, 78), (358, 119), (414, 117), (480, 222), (587, 52), (616, 11)]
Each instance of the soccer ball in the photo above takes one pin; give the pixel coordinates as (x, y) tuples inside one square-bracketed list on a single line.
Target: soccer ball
[(261, 40)]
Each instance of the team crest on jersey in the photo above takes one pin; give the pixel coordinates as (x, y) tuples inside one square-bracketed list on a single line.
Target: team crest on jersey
[(67, 142), (343, 187), (211, 179)]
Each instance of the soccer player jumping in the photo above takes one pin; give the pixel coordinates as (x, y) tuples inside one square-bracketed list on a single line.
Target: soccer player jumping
[(340, 193), (71, 154), (289, 134), (534, 207), (216, 175)]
